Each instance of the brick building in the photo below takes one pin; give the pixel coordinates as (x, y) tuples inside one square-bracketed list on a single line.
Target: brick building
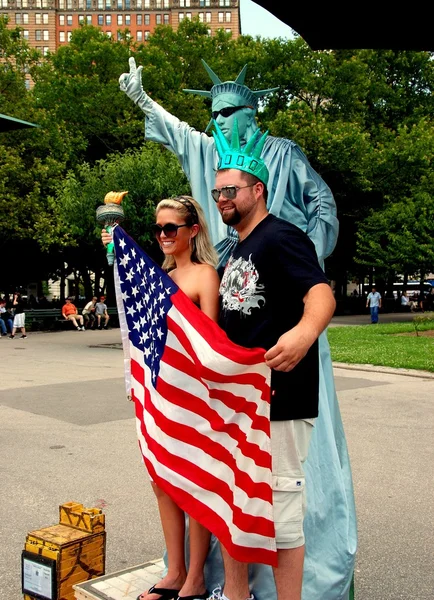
[(48, 24)]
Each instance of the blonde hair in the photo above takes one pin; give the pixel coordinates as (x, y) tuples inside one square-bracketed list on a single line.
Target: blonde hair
[(203, 251)]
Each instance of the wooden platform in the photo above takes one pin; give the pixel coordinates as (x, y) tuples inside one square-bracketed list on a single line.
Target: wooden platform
[(123, 585)]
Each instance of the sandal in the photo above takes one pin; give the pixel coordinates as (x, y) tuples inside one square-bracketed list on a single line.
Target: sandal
[(204, 596), (165, 593)]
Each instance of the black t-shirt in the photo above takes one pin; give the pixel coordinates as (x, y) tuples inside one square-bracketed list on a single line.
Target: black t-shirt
[(262, 291)]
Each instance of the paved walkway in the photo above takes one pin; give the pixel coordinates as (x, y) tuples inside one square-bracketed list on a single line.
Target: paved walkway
[(68, 434)]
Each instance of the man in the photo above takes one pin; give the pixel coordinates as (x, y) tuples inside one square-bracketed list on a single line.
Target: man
[(70, 313), (101, 313), (89, 313), (373, 301), (274, 295)]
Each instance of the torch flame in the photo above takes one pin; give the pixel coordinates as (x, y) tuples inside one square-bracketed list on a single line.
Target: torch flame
[(114, 197)]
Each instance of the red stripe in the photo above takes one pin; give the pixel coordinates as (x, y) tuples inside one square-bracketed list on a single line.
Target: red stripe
[(203, 514), (213, 334)]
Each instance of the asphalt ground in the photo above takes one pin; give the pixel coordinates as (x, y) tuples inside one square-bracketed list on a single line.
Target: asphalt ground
[(68, 434)]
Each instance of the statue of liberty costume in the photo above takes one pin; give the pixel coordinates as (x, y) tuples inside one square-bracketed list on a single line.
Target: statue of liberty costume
[(299, 195)]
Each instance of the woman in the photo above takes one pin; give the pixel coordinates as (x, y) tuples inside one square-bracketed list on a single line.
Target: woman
[(19, 316), (190, 260)]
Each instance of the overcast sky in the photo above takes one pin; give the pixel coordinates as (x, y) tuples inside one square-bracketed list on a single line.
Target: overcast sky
[(255, 20)]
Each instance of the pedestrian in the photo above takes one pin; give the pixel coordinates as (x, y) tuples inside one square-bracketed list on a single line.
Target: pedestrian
[(70, 313), (101, 312), (190, 260), (19, 316), (373, 301), (6, 318), (88, 313), (274, 295)]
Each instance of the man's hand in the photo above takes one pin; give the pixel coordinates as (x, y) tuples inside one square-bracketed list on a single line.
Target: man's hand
[(291, 347), (131, 83), (106, 238)]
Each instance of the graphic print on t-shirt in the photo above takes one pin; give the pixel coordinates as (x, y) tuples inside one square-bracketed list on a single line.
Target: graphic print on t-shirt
[(239, 287)]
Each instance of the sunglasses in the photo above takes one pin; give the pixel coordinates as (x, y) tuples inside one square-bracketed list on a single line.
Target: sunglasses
[(170, 229), (229, 192), (228, 111)]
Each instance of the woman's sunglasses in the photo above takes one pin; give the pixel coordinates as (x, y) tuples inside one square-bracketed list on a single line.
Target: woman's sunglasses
[(227, 111), (170, 229)]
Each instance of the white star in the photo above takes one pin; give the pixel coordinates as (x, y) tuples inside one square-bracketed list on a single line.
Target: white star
[(130, 275), (142, 320), (137, 325), (162, 311), (152, 286), (142, 262), (133, 252), (152, 271), (135, 291), (146, 298), (159, 333), (122, 243), (139, 305), (147, 352), (160, 283), (145, 336), (161, 297), (125, 260), (125, 296), (168, 291), (131, 310)]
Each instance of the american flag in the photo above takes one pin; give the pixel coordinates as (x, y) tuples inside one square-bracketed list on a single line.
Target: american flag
[(202, 407)]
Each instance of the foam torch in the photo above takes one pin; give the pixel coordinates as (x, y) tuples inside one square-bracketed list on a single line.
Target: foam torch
[(109, 214)]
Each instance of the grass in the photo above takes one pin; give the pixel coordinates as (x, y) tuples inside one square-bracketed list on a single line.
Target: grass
[(381, 345)]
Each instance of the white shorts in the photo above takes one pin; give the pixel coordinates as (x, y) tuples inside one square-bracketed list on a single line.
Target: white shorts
[(19, 320), (289, 447)]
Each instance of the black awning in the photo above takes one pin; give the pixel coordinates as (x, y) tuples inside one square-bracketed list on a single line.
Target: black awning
[(7, 123), (360, 25)]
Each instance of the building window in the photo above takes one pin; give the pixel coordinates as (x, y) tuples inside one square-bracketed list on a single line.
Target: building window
[(119, 36), (147, 19), (80, 4), (221, 17), (120, 20), (180, 16), (128, 20), (166, 4), (18, 3), (68, 37), (100, 4), (38, 35), (25, 3), (127, 5), (45, 18), (166, 19), (88, 4), (157, 3), (188, 16), (147, 35), (100, 20), (208, 17), (147, 4), (62, 4), (138, 3), (80, 19), (38, 4), (108, 19), (158, 19), (228, 17), (61, 36), (108, 4), (18, 19), (69, 20), (139, 19), (108, 34), (120, 4), (209, 32), (46, 50), (62, 20), (68, 4), (26, 34), (139, 36), (46, 35), (201, 17), (89, 19), (228, 30)]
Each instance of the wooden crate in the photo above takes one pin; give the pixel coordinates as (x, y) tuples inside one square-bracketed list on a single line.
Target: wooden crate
[(77, 545)]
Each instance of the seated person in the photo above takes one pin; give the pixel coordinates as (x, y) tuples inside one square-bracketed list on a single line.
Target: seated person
[(89, 313), (406, 303), (101, 312), (70, 313)]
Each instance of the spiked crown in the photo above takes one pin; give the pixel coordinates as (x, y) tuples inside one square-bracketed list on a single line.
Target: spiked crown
[(236, 87), (247, 159)]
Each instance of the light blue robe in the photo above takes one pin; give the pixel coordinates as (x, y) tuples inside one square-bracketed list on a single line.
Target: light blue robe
[(299, 195)]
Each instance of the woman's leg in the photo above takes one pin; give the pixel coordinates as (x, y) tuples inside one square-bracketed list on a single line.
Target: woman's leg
[(173, 523), (199, 544)]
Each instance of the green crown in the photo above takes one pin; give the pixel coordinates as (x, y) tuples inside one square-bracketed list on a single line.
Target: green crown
[(247, 159)]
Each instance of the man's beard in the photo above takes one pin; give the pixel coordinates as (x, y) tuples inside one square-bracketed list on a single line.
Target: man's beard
[(231, 218)]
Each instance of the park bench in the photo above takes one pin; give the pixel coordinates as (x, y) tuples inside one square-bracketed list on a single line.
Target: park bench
[(51, 318)]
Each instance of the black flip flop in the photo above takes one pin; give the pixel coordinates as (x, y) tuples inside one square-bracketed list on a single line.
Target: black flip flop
[(204, 596), (165, 593)]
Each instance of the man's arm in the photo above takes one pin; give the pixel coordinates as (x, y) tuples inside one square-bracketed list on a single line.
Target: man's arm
[(292, 346)]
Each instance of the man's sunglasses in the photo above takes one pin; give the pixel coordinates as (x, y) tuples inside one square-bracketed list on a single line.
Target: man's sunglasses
[(229, 192), (170, 229), (227, 111)]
